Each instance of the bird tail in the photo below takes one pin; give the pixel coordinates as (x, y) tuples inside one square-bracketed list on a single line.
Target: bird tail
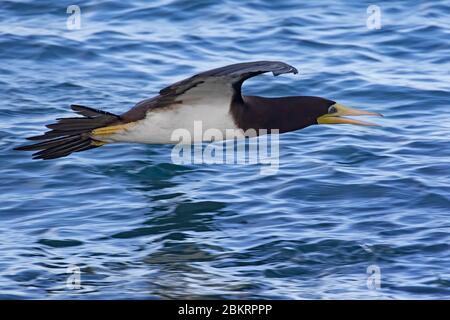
[(71, 134)]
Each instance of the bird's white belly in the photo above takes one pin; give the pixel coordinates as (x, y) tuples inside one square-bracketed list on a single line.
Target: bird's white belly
[(183, 123)]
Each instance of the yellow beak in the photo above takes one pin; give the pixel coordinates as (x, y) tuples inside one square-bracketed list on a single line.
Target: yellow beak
[(335, 117)]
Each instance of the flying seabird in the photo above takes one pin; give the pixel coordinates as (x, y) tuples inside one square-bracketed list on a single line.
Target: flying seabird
[(213, 97)]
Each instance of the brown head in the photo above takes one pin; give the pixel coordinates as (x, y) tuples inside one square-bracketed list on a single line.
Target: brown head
[(293, 113)]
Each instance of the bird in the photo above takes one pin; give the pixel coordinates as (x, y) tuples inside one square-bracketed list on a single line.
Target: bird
[(213, 97)]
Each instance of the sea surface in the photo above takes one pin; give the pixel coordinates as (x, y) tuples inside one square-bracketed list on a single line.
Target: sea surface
[(352, 212)]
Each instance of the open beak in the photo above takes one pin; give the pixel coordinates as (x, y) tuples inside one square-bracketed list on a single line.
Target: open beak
[(336, 117)]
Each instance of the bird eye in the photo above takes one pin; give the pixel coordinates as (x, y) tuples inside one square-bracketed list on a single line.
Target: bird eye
[(332, 109)]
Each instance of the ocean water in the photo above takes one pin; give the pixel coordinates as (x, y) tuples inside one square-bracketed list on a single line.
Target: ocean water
[(349, 206)]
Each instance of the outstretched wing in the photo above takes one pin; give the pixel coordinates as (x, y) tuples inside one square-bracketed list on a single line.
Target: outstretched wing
[(217, 84), (232, 75)]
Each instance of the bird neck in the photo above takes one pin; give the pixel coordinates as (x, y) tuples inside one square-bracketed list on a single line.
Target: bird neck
[(284, 114)]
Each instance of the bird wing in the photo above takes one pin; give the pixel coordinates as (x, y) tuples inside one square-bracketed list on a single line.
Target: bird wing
[(220, 83)]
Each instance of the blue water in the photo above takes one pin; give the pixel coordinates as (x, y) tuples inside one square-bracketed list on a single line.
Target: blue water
[(345, 198)]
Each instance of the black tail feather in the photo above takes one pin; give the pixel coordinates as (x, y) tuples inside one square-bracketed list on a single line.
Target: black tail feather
[(90, 112), (62, 147), (55, 134), (62, 150), (69, 135), (47, 144)]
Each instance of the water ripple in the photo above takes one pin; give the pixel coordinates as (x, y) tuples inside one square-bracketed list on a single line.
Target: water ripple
[(138, 226)]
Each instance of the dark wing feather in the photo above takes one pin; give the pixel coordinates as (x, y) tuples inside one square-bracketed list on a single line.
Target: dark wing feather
[(235, 74), (230, 77)]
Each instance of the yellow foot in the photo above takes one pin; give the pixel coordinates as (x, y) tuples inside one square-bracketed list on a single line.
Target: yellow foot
[(109, 130), (97, 143)]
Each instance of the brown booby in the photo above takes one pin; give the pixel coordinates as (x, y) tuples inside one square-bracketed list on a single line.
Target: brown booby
[(213, 97)]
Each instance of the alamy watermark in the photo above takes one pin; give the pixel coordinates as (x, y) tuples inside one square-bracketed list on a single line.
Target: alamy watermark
[(227, 147), (73, 21), (373, 277), (373, 21), (73, 281)]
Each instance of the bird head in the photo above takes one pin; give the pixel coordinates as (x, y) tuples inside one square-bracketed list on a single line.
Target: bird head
[(330, 112)]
